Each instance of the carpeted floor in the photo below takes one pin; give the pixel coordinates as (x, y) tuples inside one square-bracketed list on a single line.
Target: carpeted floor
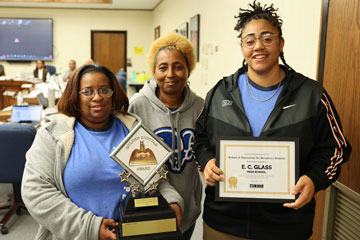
[(21, 227)]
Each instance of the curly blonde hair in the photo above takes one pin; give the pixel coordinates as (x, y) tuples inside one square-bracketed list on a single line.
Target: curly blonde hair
[(172, 41)]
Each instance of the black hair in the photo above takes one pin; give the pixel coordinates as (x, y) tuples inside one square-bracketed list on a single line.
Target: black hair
[(42, 61), (90, 68), (258, 12)]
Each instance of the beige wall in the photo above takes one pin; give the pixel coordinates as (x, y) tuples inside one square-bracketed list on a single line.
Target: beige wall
[(300, 29), (72, 36)]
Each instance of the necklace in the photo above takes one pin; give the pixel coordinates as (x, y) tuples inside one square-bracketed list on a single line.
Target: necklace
[(262, 100)]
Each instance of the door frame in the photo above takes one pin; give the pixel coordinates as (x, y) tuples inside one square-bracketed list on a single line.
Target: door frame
[(323, 34)]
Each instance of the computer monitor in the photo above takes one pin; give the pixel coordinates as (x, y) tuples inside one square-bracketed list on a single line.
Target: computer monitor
[(26, 114), (26, 39)]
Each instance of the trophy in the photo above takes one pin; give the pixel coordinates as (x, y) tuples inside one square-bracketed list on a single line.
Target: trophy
[(147, 215)]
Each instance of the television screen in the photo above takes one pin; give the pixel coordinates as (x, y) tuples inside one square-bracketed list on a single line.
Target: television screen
[(26, 39)]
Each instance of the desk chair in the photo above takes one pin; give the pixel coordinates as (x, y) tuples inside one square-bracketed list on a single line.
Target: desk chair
[(121, 77), (51, 68), (15, 141)]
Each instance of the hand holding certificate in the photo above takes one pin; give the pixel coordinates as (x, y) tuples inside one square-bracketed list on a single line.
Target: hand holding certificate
[(257, 169), (212, 173), (306, 188)]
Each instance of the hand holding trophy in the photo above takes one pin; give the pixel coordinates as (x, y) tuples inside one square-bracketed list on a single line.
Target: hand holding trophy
[(147, 215)]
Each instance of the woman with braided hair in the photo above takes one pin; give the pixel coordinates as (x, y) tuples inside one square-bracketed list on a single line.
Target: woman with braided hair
[(266, 99)]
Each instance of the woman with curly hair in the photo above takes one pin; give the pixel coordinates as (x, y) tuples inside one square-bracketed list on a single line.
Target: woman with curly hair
[(266, 99), (169, 108)]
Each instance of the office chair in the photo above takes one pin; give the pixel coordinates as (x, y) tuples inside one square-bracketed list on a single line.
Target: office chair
[(15, 141), (51, 68), (121, 77)]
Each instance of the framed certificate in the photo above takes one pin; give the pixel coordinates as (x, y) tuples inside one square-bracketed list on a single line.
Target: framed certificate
[(257, 169)]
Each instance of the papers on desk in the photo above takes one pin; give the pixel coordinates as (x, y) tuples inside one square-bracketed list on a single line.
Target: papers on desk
[(26, 85), (35, 80), (39, 88), (9, 93), (8, 108), (33, 93)]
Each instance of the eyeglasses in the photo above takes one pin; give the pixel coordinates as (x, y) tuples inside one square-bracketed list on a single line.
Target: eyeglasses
[(102, 92), (266, 39)]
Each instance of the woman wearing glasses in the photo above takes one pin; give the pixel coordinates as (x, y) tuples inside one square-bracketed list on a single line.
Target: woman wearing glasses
[(70, 185), (266, 99)]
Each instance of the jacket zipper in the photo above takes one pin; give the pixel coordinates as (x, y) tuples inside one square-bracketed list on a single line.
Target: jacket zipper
[(274, 111)]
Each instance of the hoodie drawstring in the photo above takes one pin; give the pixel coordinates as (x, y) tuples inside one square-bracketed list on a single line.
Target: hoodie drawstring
[(177, 119), (175, 132)]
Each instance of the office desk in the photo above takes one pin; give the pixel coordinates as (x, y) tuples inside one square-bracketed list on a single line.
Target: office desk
[(4, 114), (133, 87), (29, 94), (10, 85)]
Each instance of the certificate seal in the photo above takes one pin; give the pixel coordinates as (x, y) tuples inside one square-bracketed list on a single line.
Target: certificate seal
[(232, 182)]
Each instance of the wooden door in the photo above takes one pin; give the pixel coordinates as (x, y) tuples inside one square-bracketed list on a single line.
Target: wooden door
[(109, 49), (340, 74)]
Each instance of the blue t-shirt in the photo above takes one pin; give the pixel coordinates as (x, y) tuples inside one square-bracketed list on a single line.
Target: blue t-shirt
[(257, 111), (91, 177)]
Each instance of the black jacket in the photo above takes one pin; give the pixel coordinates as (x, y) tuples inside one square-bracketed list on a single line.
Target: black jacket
[(323, 148)]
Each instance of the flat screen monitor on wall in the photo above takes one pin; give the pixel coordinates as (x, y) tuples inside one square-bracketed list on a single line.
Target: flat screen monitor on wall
[(26, 39)]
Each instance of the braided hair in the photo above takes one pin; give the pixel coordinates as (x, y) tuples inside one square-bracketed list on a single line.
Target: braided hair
[(258, 12)]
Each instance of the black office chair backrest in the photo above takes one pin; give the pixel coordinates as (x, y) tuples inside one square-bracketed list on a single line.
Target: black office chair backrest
[(51, 68), (15, 141)]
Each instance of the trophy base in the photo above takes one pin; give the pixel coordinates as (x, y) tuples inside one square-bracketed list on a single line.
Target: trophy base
[(148, 217), (159, 236)]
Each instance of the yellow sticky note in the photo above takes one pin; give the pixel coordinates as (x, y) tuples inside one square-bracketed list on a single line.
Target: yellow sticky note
[(138, 50)]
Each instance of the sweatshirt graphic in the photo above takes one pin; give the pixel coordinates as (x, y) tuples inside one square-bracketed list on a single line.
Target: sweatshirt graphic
[(186, 147)]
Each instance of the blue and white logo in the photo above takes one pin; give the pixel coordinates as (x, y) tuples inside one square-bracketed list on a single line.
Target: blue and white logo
[(186, 147)]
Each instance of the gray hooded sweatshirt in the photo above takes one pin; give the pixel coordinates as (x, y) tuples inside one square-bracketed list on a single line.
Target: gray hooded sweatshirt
[(43, 189), (176, 128)]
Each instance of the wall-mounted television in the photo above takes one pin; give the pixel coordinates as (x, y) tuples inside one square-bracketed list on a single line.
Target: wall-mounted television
[(26, 39)]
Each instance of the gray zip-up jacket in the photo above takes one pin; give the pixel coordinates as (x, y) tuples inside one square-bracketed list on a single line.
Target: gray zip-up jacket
[(43, 190), (176, 128)]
